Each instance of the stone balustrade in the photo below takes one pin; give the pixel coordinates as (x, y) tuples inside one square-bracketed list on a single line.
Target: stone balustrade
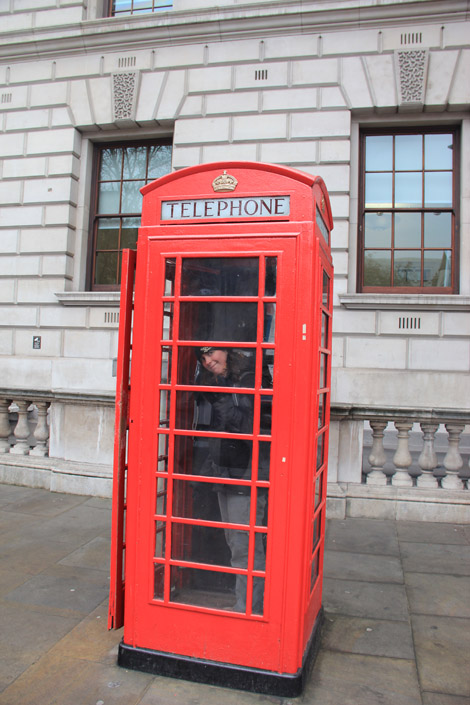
[(24, 424), (421, 462)]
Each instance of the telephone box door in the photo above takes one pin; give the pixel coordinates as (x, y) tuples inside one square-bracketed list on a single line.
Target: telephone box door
[(207, 507)]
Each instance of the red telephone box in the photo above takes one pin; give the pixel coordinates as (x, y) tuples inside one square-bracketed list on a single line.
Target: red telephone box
[(222, 436)]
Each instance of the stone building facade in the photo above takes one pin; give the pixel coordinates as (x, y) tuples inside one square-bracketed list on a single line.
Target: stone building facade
[(299, 84)]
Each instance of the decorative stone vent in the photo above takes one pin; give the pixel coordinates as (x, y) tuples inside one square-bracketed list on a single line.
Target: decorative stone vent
[(411, 38), (124, 94), (126, 62), (409, 323), (111, 316), (411, 68), (261, 75), (6, 98)]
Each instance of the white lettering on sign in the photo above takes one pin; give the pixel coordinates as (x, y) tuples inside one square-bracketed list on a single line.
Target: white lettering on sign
[(256, 207)]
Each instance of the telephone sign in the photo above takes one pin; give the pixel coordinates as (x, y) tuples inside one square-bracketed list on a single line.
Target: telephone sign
[(222, 434)]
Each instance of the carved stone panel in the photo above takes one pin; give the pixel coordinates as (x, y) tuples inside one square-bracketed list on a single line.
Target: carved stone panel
[(124, 95), (411, 69)]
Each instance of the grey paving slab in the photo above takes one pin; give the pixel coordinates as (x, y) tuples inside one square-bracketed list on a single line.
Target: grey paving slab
[(362, 599), (10, 579), (163, 691), (442, 652), (440, 699), (20, 553), (351, 679), (14, 524), (431, 532), (25, 636), (94, 554), (362, 566), (75, 527), (442, 595), (64, 587), (362, 536), (373, 637), (450, 559), (43, 503)]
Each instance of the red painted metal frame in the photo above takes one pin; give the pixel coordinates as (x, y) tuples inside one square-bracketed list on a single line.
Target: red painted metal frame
[(117, 578)]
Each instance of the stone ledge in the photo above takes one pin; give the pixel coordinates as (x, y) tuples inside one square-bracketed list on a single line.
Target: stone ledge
[(399, 302)]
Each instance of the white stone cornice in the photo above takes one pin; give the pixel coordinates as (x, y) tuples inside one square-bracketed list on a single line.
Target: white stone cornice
[(89, 298), (398, 302), (229, 22)]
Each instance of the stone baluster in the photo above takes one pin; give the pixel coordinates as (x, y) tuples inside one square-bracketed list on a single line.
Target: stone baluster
[(453, 460), (377, 455), (41, 432), (5, 429), (22, 430), (402, 458), (427, 460)]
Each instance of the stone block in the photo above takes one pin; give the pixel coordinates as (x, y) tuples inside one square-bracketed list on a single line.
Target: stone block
[(47, 95), (186, 55), (340, 234), (24, 167), (57, 265), (10, 193), (317, 72), (61, 117), (7, 289), (409, 323), (171, 96), (87, 344), (30, 71), (76, 422), (100, 92), (50, 343), (59, 215), (378, 353), (332, 97), (259, 127), (210, 79), (446, 354), (232, 103), (103, 317), (53, 142), (261, 76), (441, 71), (43, 240), (188, 156), (79, 104), (21, 265), (85, 375), (360, 41), (39, 290), (25, 373), (11, 145), (14, 97), (192, 106), (287, 47), (340, 262), (223, 152), (69, 67), (6, 339), (456, 323), (335, 151), (381, 75), (289, 152), (60, 317), (64, 15), (26, 120), (337, 350), (20, 216), (459, 94), (325, 123), (289, 99), (202, 130), (357, 322), (339, 206), (335, 176), (150, 86), (51, 190), (64, 165), (230, 52), (355, 84)]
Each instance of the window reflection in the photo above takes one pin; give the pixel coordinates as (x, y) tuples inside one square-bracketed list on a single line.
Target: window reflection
[(220, 276), (378, 229), (218, 321)]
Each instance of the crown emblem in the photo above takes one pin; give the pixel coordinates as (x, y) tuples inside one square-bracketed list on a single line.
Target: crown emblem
[(224, 182)]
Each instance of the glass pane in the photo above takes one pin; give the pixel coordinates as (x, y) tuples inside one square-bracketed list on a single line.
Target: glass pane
[(106, 268), (208, 366), (437, 229), (111, 164), (169, 288), (158, 583), (162, 465), (437, 270), (270, 277), (129, 232), (218, 321), (407, 230), (377, 230), (316, 531), (321, 410), (323, 369), (438, 189), (107, 236), (320, 448), (165, 398), (407, 268), (438, 151), (135, 162), (318, 491), (131, 196), (264, 458), (231, 413), (258, 596), (165, 375), (108, 197), (314, 570), (159, 161), (324, 330), (204, 588), (408, 152), (183, 548), (378, 191), (269, 323), (377, 268), (217, 276), (167, 332), (160, 507), (326, 289), (160, 527), (408, 190), (379, 153), (265, 415), (268, 368), (214, 457)]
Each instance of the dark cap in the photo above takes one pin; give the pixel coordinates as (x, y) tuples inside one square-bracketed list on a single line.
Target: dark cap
[(203, 351)]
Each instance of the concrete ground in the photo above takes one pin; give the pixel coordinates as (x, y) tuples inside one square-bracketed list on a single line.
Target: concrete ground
[(396, 597)]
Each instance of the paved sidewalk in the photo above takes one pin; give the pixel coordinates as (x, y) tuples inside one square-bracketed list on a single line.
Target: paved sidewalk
[(396, 596)]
